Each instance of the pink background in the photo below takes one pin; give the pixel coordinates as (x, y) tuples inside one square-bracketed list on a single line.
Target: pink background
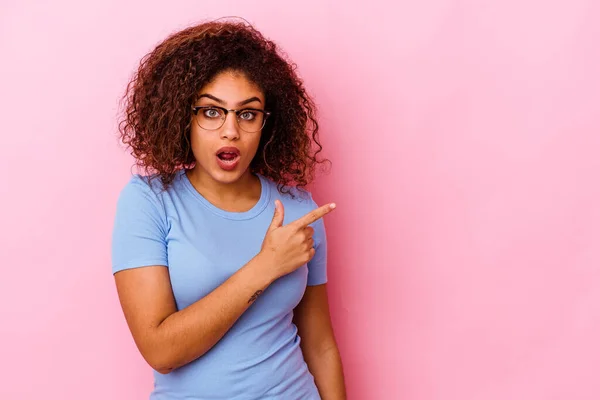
[(465, 256)]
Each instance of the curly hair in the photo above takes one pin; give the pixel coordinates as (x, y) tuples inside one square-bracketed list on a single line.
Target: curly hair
[(157, 103)]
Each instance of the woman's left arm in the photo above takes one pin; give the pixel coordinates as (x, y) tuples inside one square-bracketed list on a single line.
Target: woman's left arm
[(318, 344)]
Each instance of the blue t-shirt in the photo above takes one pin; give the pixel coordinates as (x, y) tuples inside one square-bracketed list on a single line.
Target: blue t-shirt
[(202, 245)]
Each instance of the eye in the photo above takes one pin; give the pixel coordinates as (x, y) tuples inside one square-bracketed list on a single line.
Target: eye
[(211, 113), (248, 115)]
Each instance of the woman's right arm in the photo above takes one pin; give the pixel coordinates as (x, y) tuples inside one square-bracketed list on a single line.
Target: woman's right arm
[(167, 338)]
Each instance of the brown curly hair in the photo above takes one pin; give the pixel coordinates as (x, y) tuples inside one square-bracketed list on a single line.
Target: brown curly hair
[(157, 103)]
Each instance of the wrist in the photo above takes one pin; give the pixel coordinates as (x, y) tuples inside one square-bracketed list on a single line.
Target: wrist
[(262, 270)]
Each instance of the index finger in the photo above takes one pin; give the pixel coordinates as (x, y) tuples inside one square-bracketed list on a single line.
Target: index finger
[(314, 215)]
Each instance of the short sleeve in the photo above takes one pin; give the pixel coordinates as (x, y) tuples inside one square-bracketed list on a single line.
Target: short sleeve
[(317, 267), (139, 232)]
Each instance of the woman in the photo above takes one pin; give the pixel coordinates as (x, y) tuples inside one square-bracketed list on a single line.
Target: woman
[(219, 254)]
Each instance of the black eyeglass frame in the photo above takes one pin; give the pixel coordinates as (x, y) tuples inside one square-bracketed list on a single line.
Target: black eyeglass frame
[(226, 111)]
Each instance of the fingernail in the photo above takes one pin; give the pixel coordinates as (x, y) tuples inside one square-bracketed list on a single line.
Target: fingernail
[(332, 205)]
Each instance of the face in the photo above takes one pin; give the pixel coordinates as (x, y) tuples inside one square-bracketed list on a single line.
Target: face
[(223, 154)]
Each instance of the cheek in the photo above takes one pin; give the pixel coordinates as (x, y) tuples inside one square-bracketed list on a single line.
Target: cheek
[(254, 141), (252, 147), (201, 144)]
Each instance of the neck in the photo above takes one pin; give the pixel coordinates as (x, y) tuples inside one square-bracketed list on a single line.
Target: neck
[(220, 191)]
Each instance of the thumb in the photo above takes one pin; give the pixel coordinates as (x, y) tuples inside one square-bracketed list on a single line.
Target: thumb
[(277, 217)]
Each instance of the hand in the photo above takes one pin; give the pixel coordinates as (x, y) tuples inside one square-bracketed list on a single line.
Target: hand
[(286, 248)]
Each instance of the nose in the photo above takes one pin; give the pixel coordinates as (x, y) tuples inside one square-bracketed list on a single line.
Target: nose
[(230, 129)]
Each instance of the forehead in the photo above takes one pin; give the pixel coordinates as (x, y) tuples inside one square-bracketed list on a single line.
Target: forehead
[(232, 87)]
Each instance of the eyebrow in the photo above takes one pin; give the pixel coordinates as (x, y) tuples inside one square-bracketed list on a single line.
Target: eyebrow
[(210, 96)]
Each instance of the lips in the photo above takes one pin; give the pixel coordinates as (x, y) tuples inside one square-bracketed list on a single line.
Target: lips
[(228, 158), (228, 152)]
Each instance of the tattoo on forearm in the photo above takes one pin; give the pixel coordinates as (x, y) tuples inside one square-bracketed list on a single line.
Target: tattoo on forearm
[(255, 296)]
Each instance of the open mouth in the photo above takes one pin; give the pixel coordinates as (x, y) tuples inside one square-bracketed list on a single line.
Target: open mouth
[(228, 157)]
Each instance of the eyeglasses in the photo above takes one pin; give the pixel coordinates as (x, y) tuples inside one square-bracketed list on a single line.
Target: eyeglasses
[(211, 118)]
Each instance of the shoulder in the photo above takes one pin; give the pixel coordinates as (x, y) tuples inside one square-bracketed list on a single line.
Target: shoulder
[(141, 191), (290, 195), (141, 185), (296, 201)]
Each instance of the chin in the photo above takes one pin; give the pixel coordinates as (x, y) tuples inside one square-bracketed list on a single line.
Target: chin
[(226, 177), (215, 172)]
